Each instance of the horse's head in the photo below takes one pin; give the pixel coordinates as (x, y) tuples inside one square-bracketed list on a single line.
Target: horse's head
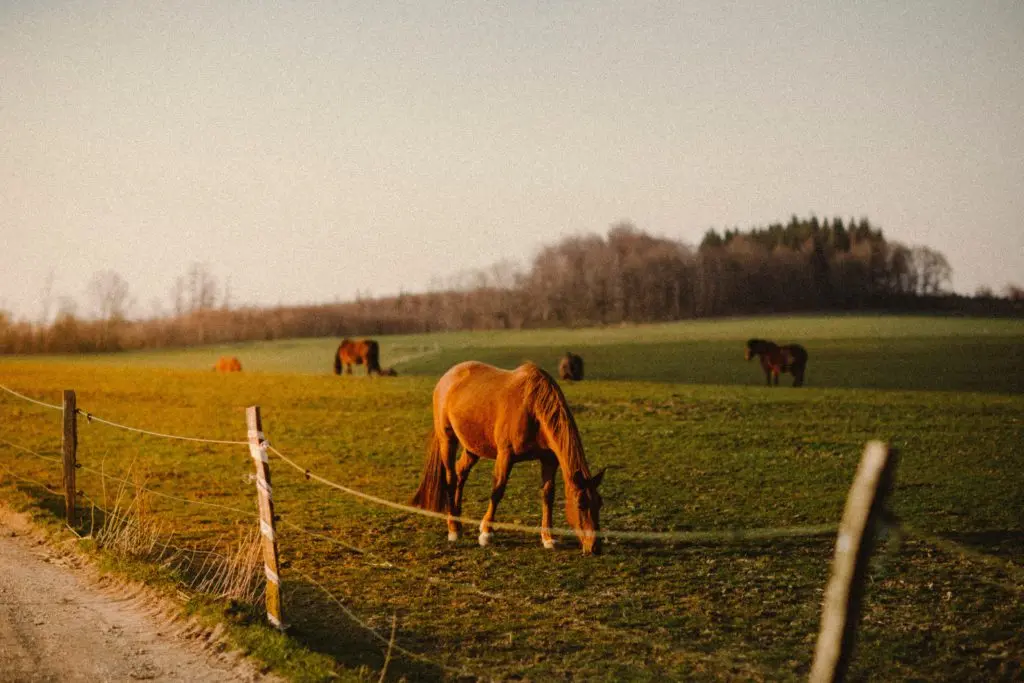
[(753, 348), (582, 509)]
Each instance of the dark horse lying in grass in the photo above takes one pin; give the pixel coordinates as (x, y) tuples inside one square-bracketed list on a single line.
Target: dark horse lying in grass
[(509, 417), (776, 359), (357, 352)]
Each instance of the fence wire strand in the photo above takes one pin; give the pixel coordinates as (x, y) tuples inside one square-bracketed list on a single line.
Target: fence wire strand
[(89, 417), (31, 400), (93, 418), (664, 536), (120, 480)]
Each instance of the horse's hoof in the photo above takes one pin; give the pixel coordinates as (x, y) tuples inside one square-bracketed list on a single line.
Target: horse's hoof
[(453, 536), (485, 539), (549, 544)]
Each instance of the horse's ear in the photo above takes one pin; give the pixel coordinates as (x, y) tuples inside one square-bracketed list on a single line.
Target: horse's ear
[(582, 482)]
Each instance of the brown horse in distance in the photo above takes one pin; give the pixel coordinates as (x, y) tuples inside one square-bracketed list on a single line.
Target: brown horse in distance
[(509, 417), (777, 359), (570, 367), (228, 364), (357, 352)]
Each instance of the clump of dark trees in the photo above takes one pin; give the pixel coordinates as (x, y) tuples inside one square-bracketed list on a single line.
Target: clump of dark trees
[(625, 276)]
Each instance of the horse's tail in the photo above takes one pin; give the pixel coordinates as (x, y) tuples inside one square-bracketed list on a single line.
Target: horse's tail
[(432, 494), (337, 361), (799, 364), (372, 358)]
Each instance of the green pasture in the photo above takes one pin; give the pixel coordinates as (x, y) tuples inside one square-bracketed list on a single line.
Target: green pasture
[(692, 442), (871, 352)]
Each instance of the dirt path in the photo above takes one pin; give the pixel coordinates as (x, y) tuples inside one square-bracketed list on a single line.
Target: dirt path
[(59, 623)]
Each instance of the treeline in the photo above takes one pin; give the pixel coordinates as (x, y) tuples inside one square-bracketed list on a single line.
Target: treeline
[(625, 276)]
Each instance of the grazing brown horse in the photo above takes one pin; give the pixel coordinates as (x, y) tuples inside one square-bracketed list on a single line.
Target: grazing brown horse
[(228, 364), (508, 416), (570, 367), (776, 359), (357, 352)]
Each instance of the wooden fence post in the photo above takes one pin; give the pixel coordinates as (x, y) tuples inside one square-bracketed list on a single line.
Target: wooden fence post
[(854, 545), (69, 443), (264, 495)]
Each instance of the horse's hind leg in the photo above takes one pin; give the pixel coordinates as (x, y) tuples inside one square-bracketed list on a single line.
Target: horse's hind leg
[(449, 446), (502, 468), (548, 467), (462, 469)]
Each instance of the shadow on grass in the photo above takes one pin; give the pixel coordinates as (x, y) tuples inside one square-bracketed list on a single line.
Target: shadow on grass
[(1005, 543), (320, 625), (47, 498)]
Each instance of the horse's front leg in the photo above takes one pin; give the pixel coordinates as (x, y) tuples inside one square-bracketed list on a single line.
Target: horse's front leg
[(502, 468), (462, 469), (548, 467)]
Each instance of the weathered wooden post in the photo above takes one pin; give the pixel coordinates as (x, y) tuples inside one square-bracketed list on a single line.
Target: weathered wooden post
[(69, 444), (264, 495), (854, 545)]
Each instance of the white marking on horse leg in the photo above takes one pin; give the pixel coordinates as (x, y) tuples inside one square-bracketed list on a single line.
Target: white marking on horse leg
[(485, 538), (453, 536), (549, 543)]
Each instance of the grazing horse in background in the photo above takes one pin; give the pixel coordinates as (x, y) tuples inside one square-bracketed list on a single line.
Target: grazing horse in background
[(357, 352), (228, 364), (509, 416), (570, 367), (776, 359)]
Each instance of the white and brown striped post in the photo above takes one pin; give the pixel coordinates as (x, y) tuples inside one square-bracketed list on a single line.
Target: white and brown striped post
[(855, 542), (69, 446), (264, 495)]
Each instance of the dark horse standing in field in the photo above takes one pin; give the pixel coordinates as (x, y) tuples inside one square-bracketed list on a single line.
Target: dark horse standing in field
[(570, 367), (776, 359), (357, 352), (509, 417)]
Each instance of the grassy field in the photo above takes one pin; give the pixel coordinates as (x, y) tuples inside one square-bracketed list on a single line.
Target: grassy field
[(692, 441), (871, 352)]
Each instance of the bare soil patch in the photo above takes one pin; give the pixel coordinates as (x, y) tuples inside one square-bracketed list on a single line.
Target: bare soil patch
[(60, 620)]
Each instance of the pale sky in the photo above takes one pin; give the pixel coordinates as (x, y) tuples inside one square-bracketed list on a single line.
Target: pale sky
[(307, 150)]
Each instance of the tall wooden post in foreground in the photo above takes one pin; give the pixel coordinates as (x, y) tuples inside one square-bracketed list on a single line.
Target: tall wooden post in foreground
[(69, 444), (854, 544), (264, 494)]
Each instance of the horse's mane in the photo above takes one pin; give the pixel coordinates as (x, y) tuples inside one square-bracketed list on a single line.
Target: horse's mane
[(551, 409)]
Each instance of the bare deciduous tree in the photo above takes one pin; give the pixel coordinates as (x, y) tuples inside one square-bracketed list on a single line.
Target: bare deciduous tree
[(109, 295)]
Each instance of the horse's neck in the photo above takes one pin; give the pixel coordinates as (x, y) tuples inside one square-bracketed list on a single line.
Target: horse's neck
[(564, 437), (571, 460)]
